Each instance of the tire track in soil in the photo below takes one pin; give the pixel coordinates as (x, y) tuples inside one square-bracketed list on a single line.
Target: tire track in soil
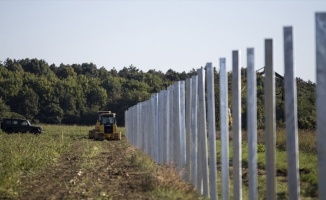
[(109, 174)]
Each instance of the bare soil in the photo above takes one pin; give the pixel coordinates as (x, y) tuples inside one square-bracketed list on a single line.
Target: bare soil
[(96, 170)]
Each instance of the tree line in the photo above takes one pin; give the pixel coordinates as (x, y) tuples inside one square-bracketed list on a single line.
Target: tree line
[(72, 94)]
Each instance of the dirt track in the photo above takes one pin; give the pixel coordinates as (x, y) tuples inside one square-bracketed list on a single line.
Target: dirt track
[(95, 170)]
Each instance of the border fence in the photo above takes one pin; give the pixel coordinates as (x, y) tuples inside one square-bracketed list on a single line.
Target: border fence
[(175, 125)]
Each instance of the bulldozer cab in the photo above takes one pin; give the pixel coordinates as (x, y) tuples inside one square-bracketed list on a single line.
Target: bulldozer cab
[(107, 119)]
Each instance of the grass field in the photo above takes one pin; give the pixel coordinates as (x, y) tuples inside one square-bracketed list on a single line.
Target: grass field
[(27, 157), (62, 163), (307, 165)]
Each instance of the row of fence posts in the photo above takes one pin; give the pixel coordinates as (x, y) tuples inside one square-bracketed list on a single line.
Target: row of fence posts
[(173, 126)]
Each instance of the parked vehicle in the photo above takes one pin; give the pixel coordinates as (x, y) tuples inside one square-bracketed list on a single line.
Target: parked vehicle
[(15, 125)]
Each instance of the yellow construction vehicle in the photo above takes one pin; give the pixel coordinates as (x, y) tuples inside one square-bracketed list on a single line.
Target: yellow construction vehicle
[(105, 127)]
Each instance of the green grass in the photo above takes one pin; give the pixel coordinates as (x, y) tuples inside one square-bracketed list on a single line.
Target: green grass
[(21, 154), (307, 164), (24, 154)]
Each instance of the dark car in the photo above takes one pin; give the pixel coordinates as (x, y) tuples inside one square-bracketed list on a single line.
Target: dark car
[(12, 125)]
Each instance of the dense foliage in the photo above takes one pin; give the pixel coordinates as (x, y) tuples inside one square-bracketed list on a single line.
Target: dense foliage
[(72, 94)]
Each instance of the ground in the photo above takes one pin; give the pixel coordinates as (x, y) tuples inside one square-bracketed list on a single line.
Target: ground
[(105, 170)]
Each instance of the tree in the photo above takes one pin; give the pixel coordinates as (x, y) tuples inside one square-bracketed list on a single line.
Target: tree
[(4, 109), (13, 65), (38, 67), (64, 71), (26, 102)]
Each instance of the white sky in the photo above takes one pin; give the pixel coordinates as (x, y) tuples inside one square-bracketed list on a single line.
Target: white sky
[(157, 34)]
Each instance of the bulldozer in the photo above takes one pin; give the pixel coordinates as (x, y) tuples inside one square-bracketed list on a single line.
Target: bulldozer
[(105, 128)]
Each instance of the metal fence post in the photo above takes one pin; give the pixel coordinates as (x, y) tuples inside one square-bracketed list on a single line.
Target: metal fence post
[(202, 131), (291, 116), (188, 129), (138, 111), (236, 128), (321, 98), (194, 144), (211, 130), (144, 123), (172, 124), (270, 127), (166, 125), (160, 126), (182, 128), (224, 126), (150, 129), (252, 123), (155, 130), (131, 125), (176, 115)]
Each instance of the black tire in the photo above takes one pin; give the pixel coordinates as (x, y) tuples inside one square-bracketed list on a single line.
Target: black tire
[(9, 131), (35, 131), (100, 137)]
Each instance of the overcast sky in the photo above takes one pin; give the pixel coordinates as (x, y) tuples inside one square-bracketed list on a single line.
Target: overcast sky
[(157, 34)]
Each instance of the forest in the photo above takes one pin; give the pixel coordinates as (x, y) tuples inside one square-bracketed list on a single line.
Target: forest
[(72, 94)]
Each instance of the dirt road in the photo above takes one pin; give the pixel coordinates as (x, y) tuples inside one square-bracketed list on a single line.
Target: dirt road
[(105, 170)]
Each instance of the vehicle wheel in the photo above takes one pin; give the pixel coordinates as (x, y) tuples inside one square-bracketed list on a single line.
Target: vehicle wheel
[(35, 131), (9, 131), (100, 136)]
